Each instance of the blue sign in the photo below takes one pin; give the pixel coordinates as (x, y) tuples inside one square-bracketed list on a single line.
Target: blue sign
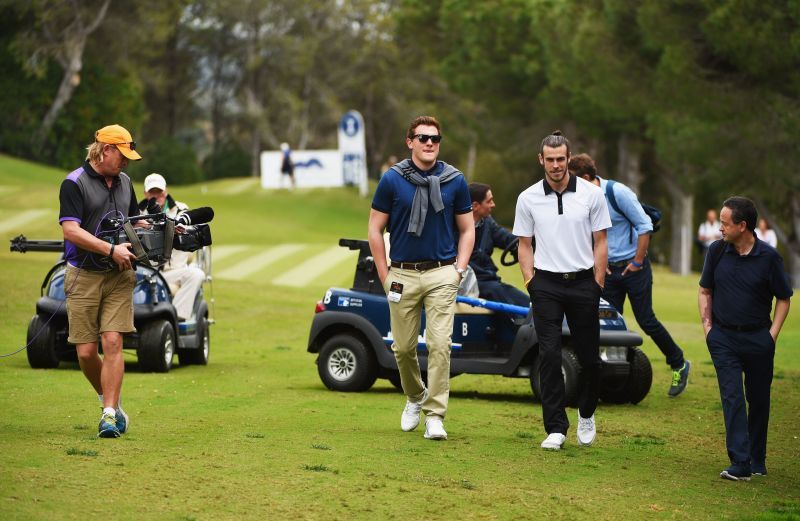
[(349, 125)]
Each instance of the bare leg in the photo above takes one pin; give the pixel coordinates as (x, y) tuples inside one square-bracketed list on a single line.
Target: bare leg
[(91, 364), (113, 368)]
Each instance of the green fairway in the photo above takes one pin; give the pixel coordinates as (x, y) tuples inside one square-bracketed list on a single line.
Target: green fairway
[(256, 435)]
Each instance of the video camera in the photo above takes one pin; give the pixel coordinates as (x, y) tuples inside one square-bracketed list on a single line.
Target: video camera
[(154, 245)]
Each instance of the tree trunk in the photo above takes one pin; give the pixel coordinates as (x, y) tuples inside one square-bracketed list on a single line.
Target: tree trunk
[(629, 164), (472, 153), (70, 80), (70, 57), (681, 227)]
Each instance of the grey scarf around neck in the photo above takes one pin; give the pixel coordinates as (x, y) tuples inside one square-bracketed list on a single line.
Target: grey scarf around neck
[(428, 187)]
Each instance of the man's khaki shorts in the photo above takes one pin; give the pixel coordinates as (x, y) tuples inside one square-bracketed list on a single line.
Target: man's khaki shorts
[(98, 302)]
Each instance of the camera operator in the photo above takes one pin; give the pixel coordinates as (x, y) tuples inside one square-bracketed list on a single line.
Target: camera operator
[(100, 297), (177, 271)]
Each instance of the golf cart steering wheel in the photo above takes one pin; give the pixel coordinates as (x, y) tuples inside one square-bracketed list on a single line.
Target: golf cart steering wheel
[(510, 251)]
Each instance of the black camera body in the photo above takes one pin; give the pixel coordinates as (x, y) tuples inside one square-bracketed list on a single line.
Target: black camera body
[(154, 245)]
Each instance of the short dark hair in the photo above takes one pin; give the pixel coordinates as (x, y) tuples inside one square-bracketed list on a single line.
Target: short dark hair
[(554, 140), (478, 191), (422, 120), (742, 209), (582, 165)]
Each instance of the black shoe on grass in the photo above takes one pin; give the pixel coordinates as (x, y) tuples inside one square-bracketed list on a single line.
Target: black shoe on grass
[(680, 377)]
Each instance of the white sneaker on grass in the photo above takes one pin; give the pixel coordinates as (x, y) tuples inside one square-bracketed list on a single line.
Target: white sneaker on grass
[(554, 441), (410, 417), (586, 430), (434, 428)]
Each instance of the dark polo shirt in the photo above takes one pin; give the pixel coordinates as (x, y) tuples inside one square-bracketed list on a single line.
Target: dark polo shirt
[(86, 199), (743, 286)]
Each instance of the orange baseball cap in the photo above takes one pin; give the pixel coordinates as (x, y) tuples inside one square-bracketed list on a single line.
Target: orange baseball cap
[(119, 136)]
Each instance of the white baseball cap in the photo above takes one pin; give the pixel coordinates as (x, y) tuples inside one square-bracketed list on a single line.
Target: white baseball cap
[(155, 181)]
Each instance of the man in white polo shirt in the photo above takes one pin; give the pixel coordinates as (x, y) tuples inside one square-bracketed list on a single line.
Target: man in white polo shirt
[(568, 217)]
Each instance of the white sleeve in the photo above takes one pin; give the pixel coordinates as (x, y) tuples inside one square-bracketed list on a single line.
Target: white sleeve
[(523, 218), (598, 213)]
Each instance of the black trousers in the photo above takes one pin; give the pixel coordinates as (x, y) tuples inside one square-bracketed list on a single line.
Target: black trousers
[(750, 354), (638, 286), (578, 300)]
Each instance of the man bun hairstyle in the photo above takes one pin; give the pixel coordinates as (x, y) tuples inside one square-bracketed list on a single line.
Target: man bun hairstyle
[(554, 140), (582, 165), (478, 191), (742, 209), (422, 120)]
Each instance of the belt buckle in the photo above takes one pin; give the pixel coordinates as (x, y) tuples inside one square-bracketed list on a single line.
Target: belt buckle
[(566, 276), (417, 267)]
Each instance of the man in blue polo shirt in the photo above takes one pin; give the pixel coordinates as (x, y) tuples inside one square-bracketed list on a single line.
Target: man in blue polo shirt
[(741, 276), (425, 205), (629, 271)]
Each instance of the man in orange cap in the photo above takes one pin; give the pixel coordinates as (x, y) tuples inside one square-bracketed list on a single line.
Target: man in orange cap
[(99, 280)]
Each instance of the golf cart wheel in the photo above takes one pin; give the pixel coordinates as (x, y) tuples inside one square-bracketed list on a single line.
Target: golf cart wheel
[(635, 387), (156, 346), (395, 379), (346, 364), (641, 377), (570, 369), (41, 344), (198, 355)]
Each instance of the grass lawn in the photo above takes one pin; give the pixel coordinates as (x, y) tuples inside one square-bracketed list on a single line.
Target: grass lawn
[(256, 435)]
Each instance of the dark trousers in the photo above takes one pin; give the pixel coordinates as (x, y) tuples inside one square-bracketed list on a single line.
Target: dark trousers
[(750, 354), (502, 292), (579, 301), (638, 287)]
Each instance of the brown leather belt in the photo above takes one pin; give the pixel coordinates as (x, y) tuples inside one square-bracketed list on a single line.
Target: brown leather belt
[(422, 265)]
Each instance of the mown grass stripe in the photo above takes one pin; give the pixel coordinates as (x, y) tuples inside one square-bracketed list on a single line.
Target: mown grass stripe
[(314, 267), (15, 223), (221, 252), (239, 187), (247, 267)]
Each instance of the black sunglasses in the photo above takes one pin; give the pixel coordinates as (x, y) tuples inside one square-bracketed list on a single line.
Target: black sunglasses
[(423, 138)]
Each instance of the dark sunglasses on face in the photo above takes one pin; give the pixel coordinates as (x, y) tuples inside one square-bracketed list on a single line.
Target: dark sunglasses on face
[(423, 138)]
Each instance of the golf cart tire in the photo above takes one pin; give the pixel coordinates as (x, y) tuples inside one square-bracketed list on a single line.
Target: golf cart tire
[(156, 346), (637, 384), (198, 355), (394, 377), (346, 364), (570, 368), (42, 349)]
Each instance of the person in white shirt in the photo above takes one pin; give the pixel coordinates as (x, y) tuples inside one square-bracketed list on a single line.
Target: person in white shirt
[(178, 271), (708, 232), (766, 234), (569, 218)]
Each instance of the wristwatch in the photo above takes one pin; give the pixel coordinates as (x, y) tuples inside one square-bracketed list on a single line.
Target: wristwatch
[(461, 271)]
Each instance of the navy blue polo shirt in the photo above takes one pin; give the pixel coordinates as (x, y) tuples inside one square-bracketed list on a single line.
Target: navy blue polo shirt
[(394, 196), (743, 286)]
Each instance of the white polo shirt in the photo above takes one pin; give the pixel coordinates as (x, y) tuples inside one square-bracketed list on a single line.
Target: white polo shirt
[(562, 224)]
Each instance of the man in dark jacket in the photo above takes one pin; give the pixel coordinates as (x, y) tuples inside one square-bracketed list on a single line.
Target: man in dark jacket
[(490, 235)]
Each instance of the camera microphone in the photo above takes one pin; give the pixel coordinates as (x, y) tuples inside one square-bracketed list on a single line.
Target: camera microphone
[(200, 215)]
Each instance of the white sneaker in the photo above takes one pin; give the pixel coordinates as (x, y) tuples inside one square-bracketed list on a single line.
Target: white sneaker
[(434, 428), (410, 417), (586, 430), (554, 441)]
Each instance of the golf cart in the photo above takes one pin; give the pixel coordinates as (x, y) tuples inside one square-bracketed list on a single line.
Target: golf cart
[(352, 337), (158, 337)]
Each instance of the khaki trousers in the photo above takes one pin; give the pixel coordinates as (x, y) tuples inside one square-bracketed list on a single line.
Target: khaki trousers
[(435, 290)]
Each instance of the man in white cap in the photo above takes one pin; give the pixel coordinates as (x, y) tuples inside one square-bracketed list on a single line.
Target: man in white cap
[(99, 278), (178, 271)]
